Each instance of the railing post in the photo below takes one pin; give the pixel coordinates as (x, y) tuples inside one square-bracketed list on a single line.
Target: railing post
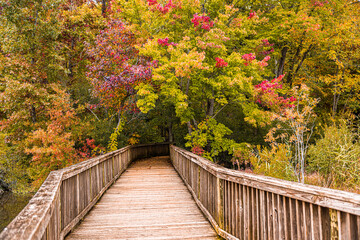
[(220, 202)]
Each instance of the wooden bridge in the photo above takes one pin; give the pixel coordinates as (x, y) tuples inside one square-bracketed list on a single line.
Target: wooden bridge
[(179, 196)]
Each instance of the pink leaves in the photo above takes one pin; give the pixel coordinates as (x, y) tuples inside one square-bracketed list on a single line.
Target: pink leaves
[(198, 150), (267, 95), (151, 2), (220, 63), (162, 8), (251, 57), (248, 58), (263, 48), (268, 87), (266, 43), (263, 63), (203, 21), (251, 14), (165, 42), (320, 3)]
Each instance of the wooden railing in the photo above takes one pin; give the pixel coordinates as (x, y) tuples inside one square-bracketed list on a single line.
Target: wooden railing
[(238, 205), (247, 206), (68, 194)]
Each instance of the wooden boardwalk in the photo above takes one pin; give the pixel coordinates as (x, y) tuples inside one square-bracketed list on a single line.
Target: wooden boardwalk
[(148, 201)]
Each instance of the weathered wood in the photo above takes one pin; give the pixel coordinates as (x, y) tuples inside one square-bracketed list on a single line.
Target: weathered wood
[(68, 194), (32, 221), (149, 201), (238, 205), (330, 198), (250, 206)]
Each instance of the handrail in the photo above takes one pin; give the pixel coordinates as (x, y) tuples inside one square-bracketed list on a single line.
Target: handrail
[(68, 194), (243, 205)]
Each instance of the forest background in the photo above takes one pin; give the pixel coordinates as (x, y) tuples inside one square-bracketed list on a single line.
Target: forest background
[(264, 86)]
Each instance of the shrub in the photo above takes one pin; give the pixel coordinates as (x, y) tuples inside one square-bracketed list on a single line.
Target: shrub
[(274, 161), (336, 158)]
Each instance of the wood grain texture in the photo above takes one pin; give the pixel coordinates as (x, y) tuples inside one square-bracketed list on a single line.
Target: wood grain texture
[(325, 197), (149, 201), (250, 206)]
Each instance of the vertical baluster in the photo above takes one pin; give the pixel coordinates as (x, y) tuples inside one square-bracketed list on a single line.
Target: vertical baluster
[(220, 201), (270, 215), (241, 213), (263, 214), (258, 220), (246, 212), (231, 207), (226, 205), (280, 213), (236, 209), (287, 218), (325, 223), (314, 222), (253, 214), (275, 216)]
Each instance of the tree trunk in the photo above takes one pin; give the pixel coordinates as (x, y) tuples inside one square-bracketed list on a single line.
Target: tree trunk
[(33, 113), (171, 135), (210, 107), (189, 127), (280, 69), (103, 9)]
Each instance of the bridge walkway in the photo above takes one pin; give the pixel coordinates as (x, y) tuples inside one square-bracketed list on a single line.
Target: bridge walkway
[(148, 201)]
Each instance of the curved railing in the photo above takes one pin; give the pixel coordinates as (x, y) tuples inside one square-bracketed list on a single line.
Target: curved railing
[(68, 194), (247, 206)]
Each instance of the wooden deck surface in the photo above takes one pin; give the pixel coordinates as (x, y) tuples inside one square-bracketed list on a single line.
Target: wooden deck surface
[(148, 201)]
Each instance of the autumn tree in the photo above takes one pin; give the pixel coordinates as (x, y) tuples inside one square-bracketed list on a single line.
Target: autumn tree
[(200, 68), (116, 69), (38, 116)]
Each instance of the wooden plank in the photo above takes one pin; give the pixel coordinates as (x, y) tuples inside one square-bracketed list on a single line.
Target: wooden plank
[(232, 208), (237, 210), (275, 215), (241, 214), (287, 218), (84, 189), (269, 215), (293, 225), (345, 225), (300, 219), (158, 206), (280, 213), (246, 212), (225, 206), (220, 202), (357, 226), (263, 229), (253, 213), (315, 228), (336, 199), (307, 220), (325, 223), (258, 221), (32, 221), (83, 166)]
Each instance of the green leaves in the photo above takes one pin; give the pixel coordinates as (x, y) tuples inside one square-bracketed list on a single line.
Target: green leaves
[(211, 135), (147, 97)]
